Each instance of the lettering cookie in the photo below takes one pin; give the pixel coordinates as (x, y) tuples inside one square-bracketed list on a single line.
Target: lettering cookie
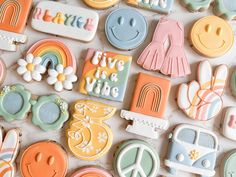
[(105, 74), (3, 71), (91, 172), (225, 9), (45, 158), (192, 149), (126, 28), (202, 99), (136, 158), (64, 20), (212, 36), (88, 137), (101, 4), (228, 126), (228, 164), (162, 6), (195, 6), (9, 147), (148, 106), (171, 61), (53, 57)]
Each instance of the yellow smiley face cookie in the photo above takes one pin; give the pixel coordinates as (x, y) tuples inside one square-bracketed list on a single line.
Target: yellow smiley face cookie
[(100, 4), (212, 36)]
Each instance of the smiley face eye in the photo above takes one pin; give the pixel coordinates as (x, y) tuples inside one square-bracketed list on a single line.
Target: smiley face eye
[(219, 31), (51, 160), (132, 22), (121, 20), (208, 28), (38, 157)]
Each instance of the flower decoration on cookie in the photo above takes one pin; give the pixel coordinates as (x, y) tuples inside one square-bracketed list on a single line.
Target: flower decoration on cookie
[(202, 99)]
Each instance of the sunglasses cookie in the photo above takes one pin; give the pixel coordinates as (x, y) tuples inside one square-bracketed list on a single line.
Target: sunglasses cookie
[(88, 137), (92, 171), (195, 6), (100, 4), (228, 164), (202, 99)]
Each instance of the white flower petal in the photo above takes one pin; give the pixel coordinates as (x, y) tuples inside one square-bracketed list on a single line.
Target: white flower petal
[(27, 76), (58, 86), (29, 58), (52, 72), (67, 85), (21, 70), (40, 68), (51, 80), (71, 78), (36, 76), (68, 70), (37, 60), (60, 68), (22, 62)]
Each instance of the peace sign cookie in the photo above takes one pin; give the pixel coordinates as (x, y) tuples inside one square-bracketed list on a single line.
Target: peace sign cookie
[(228, 165), (136, 158), (100, 4)]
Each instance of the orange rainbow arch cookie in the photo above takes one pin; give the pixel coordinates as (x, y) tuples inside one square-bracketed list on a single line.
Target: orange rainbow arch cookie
[(92, 171), (101, 4), (13, 17), (88, 137), (148, 106), (212, 36), (202, 99), (44, 159), (52, 57)]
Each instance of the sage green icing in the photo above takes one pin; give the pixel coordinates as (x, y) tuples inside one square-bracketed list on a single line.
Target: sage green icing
[(229, 164), (196, 5), (233, 83), (225, 9)]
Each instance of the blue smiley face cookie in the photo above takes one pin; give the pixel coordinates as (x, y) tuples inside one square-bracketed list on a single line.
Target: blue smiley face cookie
[(126, 28)]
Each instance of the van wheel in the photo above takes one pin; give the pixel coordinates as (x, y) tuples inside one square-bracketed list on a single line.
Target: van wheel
[(172, 171)]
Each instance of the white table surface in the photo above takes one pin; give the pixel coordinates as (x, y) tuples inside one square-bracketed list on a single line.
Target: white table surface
[(32, 134)]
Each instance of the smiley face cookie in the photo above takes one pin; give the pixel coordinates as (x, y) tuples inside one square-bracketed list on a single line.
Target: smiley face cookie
[(225, 9), (91, 172), (46, 158), (212, 36), (126, 28), (100, 4)]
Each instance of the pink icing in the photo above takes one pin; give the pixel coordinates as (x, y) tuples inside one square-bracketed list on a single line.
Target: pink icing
[(86, 170), (232, 122)]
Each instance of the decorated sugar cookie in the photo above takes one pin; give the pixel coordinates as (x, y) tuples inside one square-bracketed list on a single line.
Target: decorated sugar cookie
[(44, 159), (212, 36), (105, 74), (194, 6), (229, 123), (192, 149), (162, 6), (136, 158), (3, 71), (126, 28), (88, 137), (148, 106), (228, 164), (202, 99), (64, 20), (91, 172), (9, 147), (225, 9), (233, 83), (101, 4), (53, 57)]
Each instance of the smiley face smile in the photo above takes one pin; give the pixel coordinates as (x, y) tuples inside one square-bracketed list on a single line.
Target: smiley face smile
[(124, 40), (30, 173), (208, 47)]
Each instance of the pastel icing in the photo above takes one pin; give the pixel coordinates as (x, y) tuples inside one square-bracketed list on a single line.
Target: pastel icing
[(192, 149), (45, 158), (233, 83), (92, 171), (88, 137), (229, 123), (195, 5), (212, 36), (126, 28), (13, 17), (2, 71), (136, 158), (14, 102), (202, 99), (64, 20), (228, 164), (162, 6), (225, 9), (50, 112), (171, 61), (101, 4), (8, 152), (105, 74)]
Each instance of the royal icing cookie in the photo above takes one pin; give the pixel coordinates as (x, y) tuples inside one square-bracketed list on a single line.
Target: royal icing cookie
[(233, 83), (212, 36), (148, 106), (53, 57), (228, 164), (194, 6), (64, 20), (3, 71), (192, 149), (101, 4), (171, 61), (105, 74), (91, 172), (162, 6), (229, 123), (44, 159), (13, 17), (136, 158), (126, 28), (88, 137), (9, 147), (202, 99), (225, 9)]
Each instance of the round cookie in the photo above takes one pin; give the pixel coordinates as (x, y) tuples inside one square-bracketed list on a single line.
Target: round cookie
[(135, 158), (212, 36), (91, 172), (228, 164), (44, 159), (100, 4), (126, 28)]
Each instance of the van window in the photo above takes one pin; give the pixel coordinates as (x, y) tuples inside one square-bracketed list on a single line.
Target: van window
[(187, 135), (206, 140)]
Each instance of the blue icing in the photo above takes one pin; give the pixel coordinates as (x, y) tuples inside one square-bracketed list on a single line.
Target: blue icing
[(126, 28), (50, 59), (13, 107), (211, 157), (49, 113)]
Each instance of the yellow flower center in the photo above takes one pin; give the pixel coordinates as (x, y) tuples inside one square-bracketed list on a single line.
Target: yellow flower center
[(30, 67), (61, 77)]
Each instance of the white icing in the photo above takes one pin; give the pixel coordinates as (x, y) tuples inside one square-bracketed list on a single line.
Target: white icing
[(90, 84), (104, 75), (97, 89), (97, 73), (120, 65), (115, 92), (180, 157), (103, 62), (206, 163), (106, 89), (113, 77), (111, 63), (161, 3), (97, 55)]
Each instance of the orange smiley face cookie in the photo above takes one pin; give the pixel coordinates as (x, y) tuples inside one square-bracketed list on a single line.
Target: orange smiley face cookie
[(44, 159), (212, 36)]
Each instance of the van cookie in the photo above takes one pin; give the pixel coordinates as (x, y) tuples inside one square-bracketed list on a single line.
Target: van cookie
[(13, 17), (195, 6), (148, 106), (225, 9), (64, 20), (92, 171), (192, 149), (202, 99), (105, 74), (101, 4), (228, 164), (135, 158), (229, 123), (88, 137)]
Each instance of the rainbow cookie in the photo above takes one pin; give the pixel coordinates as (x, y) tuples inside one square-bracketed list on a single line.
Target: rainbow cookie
[(105, 74), (64, 20), (100, 4), (52, 56)]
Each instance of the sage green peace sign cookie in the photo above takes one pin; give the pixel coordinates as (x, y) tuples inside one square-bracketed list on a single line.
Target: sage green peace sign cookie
[(136, 158), (229, 163)]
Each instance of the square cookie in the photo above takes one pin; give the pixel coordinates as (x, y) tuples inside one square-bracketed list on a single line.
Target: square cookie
[(105, 75)]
